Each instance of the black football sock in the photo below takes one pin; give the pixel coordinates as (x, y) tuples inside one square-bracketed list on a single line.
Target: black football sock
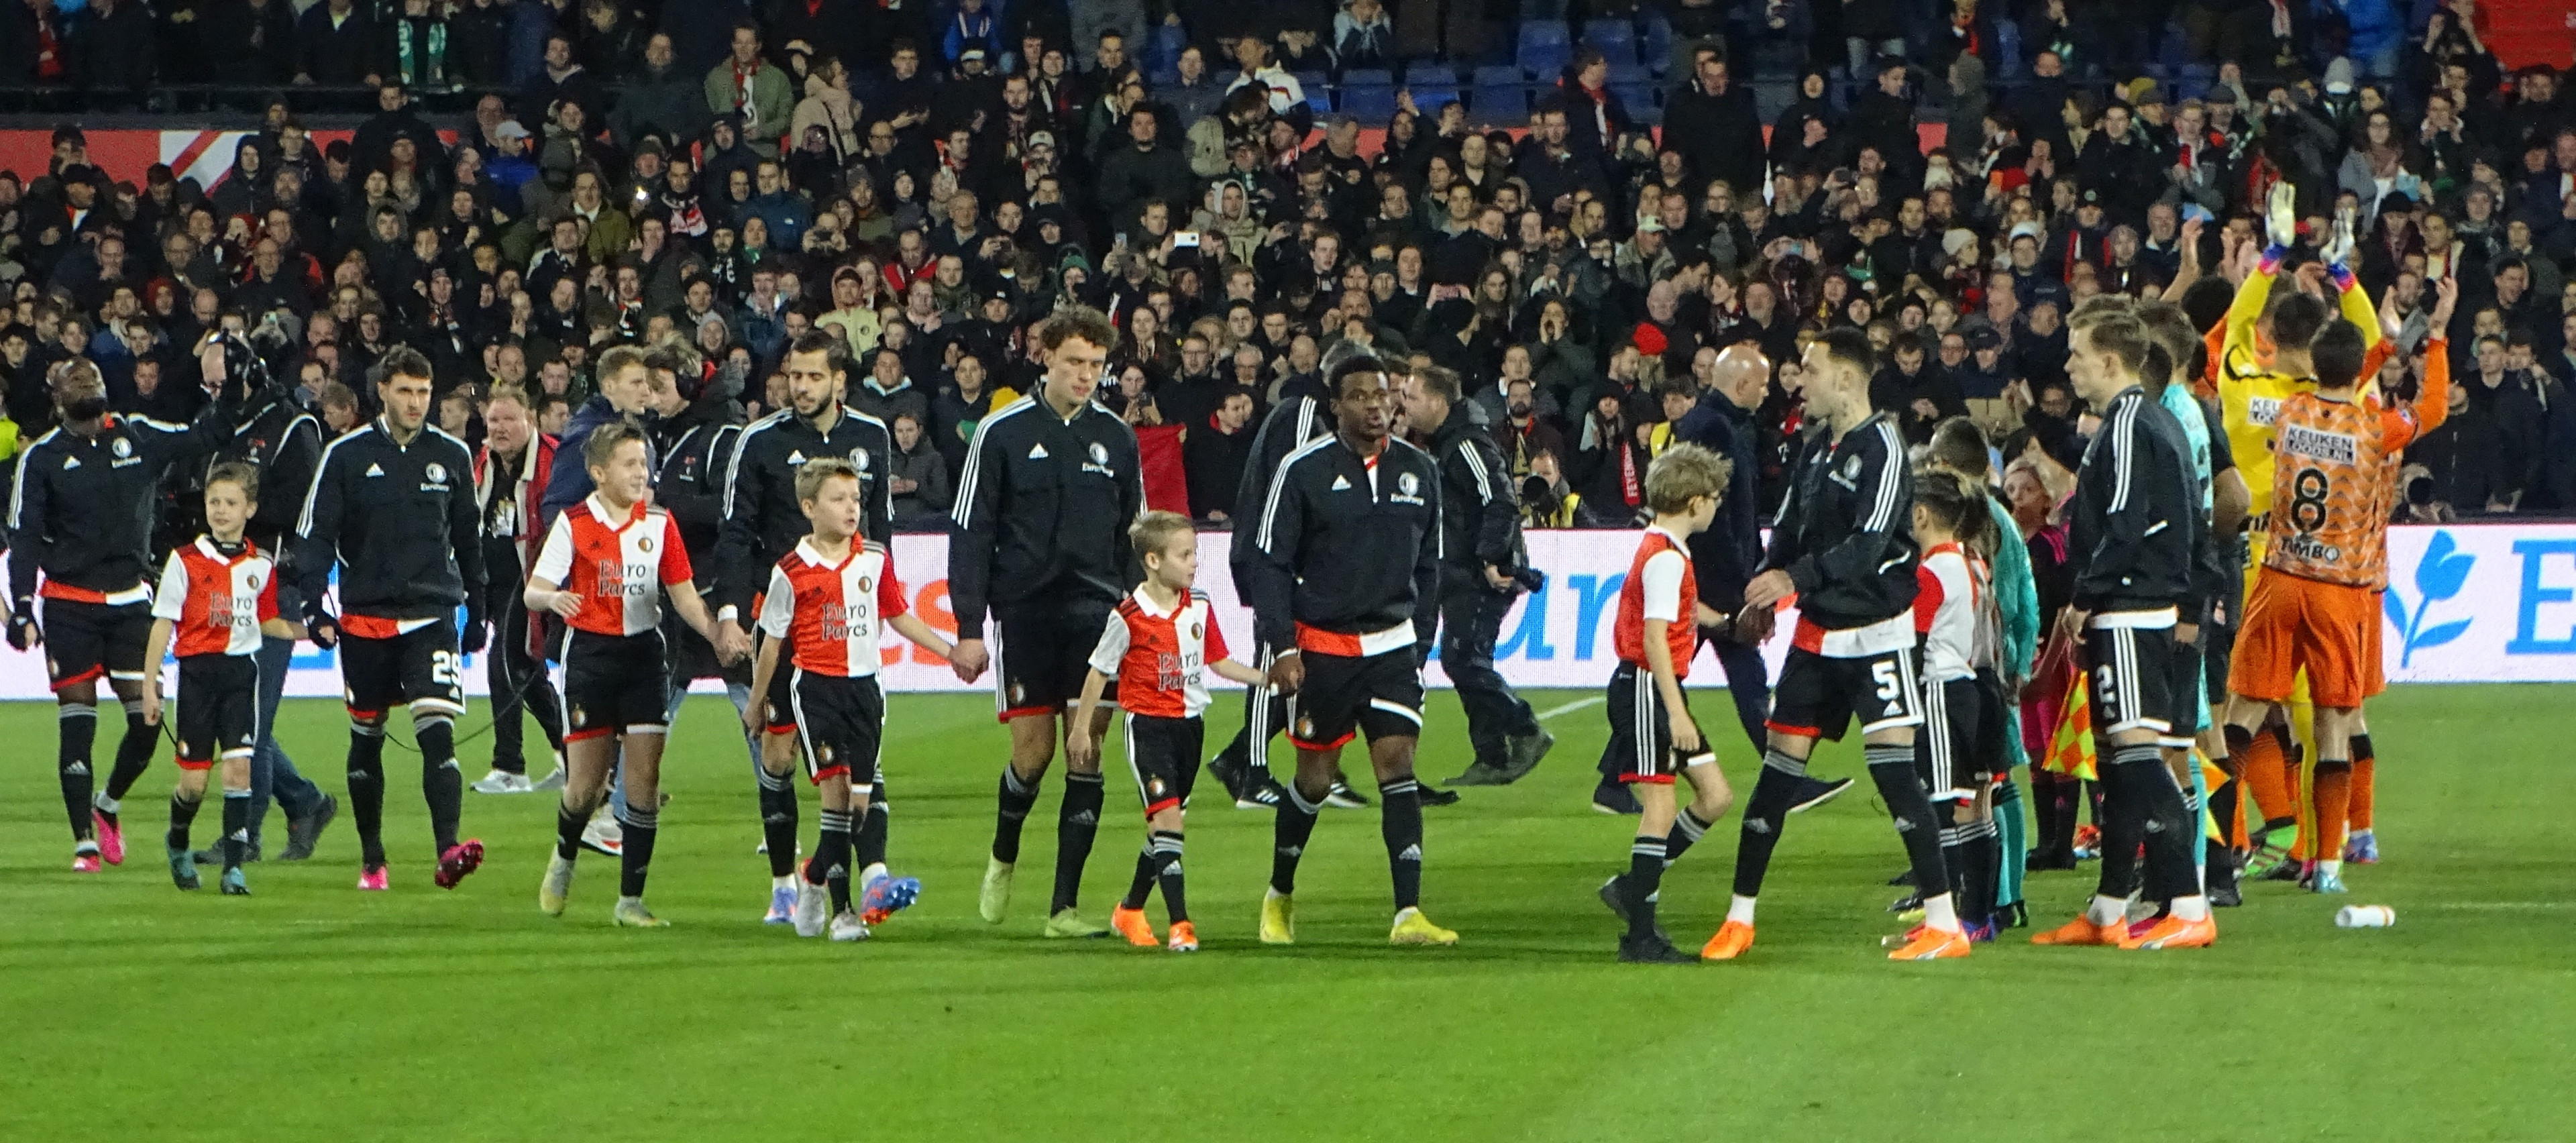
[(635, 857), (441, 783), (1289, 832), (2170, 828), (367, 792), (1979, 849), (2125, 814), (1016, 799), (1909, 807), (77, 726), (1400, 823), (778, 821), (1147, 868), (1077, 825), (869, 845), (1764, 814), (1952, 838), (830, 865), (568, 826), (133, 752), (236, 828), (183, 813), (1647, 857), (1167, 870), (1686, 832)]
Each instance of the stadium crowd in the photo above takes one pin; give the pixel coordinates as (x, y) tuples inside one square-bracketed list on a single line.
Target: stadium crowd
[(931, 179)]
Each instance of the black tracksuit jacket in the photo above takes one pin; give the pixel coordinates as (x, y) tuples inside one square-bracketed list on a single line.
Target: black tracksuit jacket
[(1845, 532), (1339, 551), (399, 521), (1043, 509), (762, 519), (2135, 524)]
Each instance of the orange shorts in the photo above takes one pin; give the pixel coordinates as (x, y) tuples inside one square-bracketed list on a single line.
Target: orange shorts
[(2291, 623), (2374, 675)]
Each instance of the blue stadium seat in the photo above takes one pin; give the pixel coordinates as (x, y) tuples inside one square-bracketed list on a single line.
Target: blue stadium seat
[(2008, 46), (1163, 47), (1617, 39), (1432, 84), (1657, 43), (1162, 77), (1635, 86), (1368, 94), (1318, 89), (1500, 97), (1545, 48)]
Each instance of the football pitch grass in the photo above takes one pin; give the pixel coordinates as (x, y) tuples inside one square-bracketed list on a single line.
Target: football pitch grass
[(311, 1011)]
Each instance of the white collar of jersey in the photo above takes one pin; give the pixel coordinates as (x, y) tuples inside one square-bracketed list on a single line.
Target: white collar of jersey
[(1667, 533), (600, 510), (806, 551), (1145, 603)]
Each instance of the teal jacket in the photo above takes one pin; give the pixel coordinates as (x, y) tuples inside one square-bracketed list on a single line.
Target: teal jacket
[(2017, 601)]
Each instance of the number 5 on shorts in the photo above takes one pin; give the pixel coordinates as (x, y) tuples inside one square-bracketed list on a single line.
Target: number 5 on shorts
[(1888, 687)]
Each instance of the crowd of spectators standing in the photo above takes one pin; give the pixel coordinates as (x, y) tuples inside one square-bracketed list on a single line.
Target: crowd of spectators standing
[(931, 178)]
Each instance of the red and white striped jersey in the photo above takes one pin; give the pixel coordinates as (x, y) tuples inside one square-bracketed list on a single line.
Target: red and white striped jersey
[(214, 602), (618, 566), (1661, 585), (832, 613), (1950, 591), (1160, 658)]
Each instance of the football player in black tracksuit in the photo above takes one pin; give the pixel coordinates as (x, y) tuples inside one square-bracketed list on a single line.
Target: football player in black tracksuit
[(1039, 539), (82, 515), (695, 437), (1481, 534), (276, 437), (2132, 535), (1346, 584), (1843, 544), (392, 507), (762, 522)]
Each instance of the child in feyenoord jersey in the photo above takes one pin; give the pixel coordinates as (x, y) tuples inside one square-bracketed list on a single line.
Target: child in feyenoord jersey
[(1156, 644), (606, 565), (831, 599), (218, 596), (1651, 729), (1960, 753)]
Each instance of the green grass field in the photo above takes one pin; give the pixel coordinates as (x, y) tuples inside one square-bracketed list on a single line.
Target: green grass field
[(313, 1012)]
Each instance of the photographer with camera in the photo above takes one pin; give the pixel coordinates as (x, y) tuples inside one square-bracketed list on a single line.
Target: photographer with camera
[(1483, 567)]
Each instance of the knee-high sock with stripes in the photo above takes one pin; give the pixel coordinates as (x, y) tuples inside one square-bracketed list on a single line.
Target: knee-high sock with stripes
[(1647, 856), (367, 791), (1688, 828), (237, 807), (1910, 809), (1766, 812), (1289, 832), (1978, 850), (1954, 858), (2195, 796), (778, 821), (76, 726), (183, 814), (133, 752), (635, 857), (830, 865), (1017, 797), (868, 847), (2124, 817), (1400, 824), (441, 783), (1077, 825), (1165, 848), (2365, 782), (569, 822), (2333, 811)]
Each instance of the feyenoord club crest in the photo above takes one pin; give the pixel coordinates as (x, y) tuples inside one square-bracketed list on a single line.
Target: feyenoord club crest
[(122, 448), (1099, 453), (254, 581), (436, 472), (859, 459), (580, 717), (1411, 484), (645, 543), (1197, 630)]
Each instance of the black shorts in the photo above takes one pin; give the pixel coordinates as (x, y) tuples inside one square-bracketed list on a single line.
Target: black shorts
[(1950, 754), (1641, 732), (1044, 652), (1818, 695), (86, 640), (1380, 695), (420, 667), (1164, 754), (839, 724), (2130, 655), (613, 684), (218, 709)]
